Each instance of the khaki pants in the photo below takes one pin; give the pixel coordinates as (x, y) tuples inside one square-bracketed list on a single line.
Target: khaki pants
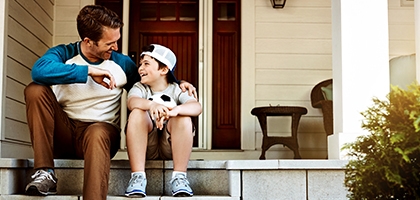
[(54, 135)]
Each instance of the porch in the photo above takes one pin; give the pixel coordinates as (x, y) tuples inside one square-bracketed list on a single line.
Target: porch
[(210, 179)]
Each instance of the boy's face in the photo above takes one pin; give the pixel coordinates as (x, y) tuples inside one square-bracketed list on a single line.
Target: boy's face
[(149, 70)]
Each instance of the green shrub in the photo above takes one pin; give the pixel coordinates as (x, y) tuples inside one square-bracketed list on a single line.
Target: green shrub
[(385, 164)]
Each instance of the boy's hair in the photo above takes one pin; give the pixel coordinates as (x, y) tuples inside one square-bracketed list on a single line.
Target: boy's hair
[(93, 18), (165, 58), (150, 49)]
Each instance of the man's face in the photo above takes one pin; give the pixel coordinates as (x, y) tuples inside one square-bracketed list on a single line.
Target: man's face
[(104, 47)]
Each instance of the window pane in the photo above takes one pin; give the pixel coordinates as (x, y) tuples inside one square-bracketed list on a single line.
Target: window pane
[(187, 12), (226, 12), (148, 12), (168, 12)]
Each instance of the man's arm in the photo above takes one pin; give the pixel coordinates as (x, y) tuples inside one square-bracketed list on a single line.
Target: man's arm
[(50, 69)]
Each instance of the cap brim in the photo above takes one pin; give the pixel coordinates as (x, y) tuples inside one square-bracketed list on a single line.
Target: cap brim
[(172, 78)]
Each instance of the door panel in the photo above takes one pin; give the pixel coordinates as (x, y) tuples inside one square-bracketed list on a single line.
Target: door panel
[(226, 75)]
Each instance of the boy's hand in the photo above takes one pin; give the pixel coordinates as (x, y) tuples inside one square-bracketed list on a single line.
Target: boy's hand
[(184, 85), (158, 113)]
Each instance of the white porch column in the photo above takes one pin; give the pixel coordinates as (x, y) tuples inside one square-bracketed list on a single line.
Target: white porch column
[(360, 66), (417, 37)]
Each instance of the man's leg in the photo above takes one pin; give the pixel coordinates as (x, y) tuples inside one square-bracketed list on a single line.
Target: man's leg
[(45, 118), (98, 143)]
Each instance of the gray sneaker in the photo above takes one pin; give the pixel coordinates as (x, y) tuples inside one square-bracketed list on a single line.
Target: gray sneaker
[(137, 186), (43, 183), (181, 186)]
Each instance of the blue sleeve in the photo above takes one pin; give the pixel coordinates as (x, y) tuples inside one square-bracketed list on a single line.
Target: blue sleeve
[(50, 69), (129, 67)]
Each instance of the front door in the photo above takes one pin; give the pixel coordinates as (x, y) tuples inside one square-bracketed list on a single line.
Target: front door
[(175, 24), (172, 23)]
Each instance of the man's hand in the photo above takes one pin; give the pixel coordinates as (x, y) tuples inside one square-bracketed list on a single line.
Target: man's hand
[(102, 77), (184, 85)]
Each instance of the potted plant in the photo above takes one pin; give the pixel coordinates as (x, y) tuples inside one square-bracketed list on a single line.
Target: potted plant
[(385, 164)]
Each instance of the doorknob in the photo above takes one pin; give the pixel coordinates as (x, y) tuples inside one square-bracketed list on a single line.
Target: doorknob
[(133, 56)]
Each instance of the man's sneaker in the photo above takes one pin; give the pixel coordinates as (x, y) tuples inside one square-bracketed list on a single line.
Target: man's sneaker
[(181, 186), (43, 183), (136, 186)]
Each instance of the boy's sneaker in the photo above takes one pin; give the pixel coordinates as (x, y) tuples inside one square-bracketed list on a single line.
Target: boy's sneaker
[(43, 183), (181, 186), (136, 186)]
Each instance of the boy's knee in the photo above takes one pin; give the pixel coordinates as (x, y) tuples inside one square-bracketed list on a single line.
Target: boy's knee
[(185, 120), (137, 114)]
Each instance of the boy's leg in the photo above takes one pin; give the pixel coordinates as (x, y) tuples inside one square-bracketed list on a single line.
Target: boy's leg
[(181, 133), (97, 143), (138, 127), (139, 135)]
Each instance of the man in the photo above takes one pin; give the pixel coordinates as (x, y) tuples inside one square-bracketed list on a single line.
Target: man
[(73, 103)]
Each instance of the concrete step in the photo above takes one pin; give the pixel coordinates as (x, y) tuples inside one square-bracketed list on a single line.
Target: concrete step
[(210, 179), (75, 197), (205, 177)]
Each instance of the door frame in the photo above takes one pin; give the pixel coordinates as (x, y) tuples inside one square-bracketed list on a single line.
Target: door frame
[(204, 74)]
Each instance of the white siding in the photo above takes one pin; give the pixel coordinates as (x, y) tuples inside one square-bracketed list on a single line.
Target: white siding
[(401, 29), (293, 53), (29, 35), (65, 24)]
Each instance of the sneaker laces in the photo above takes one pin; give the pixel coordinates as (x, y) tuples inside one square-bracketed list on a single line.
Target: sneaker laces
[(41, 175), (137, 179), (180, 180)]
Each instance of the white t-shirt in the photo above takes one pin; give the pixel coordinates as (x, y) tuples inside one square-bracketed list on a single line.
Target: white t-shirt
[(173, 90), (91, 102)]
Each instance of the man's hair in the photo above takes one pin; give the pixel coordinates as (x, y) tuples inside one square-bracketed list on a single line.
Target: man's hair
[(93, 18)]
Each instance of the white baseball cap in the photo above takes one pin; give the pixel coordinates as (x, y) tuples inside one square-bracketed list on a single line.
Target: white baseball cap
[(165, 56)]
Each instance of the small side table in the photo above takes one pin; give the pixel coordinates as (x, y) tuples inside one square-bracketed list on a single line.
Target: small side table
[(294, 111)]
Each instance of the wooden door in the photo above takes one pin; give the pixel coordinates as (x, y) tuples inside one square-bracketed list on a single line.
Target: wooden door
[(226, 75), (172, 23)]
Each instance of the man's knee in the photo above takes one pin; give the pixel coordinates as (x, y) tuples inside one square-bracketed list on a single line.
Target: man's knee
[(102, 132), (102, 136), (34, 90)]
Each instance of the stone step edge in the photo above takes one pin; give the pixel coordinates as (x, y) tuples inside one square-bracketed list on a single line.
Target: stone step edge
[(77, 197), (193, 164)]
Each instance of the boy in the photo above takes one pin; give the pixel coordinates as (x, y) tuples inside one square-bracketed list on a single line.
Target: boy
[(155, 131)]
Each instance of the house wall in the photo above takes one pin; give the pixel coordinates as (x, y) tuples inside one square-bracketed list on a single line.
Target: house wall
[(29, 27), (290, 53), (293, 53), (65, 24)]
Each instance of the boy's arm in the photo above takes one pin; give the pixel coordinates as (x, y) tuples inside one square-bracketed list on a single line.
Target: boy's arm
[(189, 108), (135, 102)]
